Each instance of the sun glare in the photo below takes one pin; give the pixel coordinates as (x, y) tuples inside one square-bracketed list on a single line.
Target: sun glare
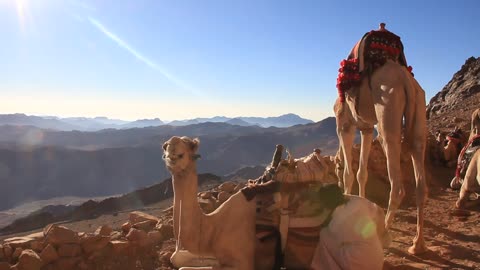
[(20, 5)]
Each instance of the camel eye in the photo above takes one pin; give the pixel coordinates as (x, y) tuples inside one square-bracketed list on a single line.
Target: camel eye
[(180, 156)]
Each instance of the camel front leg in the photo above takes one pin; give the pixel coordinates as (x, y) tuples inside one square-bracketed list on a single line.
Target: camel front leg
[(346, 136), (472, 178), (362, 174), (397, 192)]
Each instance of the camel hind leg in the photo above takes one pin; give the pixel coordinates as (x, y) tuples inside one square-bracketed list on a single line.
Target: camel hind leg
[(390, 118), (417, 144), (362, 174), (421, 191)]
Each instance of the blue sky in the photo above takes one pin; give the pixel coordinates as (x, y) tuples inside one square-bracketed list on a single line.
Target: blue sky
[(183, 59)]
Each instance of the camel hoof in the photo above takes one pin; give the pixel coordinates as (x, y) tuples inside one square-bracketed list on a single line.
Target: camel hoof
[(460, 204), (456, 183), (417, 249)]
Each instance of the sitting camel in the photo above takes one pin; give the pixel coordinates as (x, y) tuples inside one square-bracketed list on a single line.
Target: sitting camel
[(466, 160), (225, 238), (455, 141), (227, 234), (471, 181), (386, 95)]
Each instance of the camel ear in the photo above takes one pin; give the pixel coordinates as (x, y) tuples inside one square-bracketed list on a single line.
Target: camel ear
[(165, 146), (195, 144)]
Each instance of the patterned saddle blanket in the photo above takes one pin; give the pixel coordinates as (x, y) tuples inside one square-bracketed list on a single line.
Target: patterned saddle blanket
[(466, 156), (368, 54)]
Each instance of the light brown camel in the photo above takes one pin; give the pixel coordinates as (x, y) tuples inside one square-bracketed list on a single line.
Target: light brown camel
[(394, 101), (458, 182), (450, 152), (475, 124), (471, 182), (227, 234), (225, 238)]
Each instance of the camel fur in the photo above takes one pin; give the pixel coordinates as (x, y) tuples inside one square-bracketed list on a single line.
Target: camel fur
[(227, 234), (471, 182), (394, 101), (475, 124), (459, 183)]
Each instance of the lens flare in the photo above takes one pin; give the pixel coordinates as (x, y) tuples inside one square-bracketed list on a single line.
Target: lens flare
[(21, 6)]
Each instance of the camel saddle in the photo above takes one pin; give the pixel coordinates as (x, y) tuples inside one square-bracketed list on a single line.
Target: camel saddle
[(288, 207), (466, 156), (371, 52)]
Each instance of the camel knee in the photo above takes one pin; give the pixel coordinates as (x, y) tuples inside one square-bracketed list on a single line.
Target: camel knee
[(348, 180), (461, 203), (396, 196), (362, 177)]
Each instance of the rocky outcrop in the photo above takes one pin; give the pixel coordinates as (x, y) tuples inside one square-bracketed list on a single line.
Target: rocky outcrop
[(453, 105), (59, 247)]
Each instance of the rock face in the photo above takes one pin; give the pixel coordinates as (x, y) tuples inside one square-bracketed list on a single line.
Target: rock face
[(454, 104)]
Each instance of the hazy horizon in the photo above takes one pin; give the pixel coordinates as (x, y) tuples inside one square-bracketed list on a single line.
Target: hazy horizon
[(163, 120), (185, 59)]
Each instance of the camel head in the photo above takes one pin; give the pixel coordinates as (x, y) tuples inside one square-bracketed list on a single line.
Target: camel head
[(440, 137), (180, 153)]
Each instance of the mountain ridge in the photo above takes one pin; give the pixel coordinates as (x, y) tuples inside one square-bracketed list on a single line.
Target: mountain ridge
[(100, 123)]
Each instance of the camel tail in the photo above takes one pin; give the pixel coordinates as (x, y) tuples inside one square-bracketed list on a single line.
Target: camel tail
[(415, 113)]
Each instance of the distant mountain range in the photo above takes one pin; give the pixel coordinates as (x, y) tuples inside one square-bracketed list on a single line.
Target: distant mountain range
[(40, 164), (99, 123)]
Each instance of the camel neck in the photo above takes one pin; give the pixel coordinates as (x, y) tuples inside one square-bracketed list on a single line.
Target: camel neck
[(185, 186)]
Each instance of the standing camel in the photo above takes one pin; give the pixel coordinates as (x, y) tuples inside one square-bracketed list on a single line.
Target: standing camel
[(386, 95)]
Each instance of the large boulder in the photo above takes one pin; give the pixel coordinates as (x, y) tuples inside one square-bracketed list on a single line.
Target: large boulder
[(59, 235), (126, 227), (146, 225), (7, 251), (166, 230), (37, 245), (137, 216), (16, 254), (49, 254), (104, 230), (29, 260), (138, 237), (18, 242), (120, 247), (228, 187), (92, 243)]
